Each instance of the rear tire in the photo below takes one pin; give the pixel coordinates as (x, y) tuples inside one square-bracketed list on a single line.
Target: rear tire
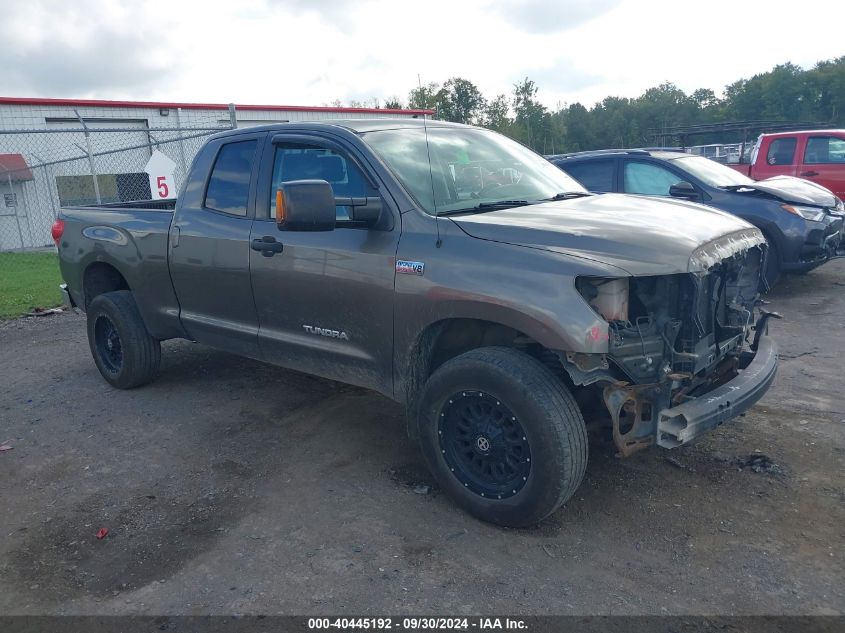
[(502, 435), (123, 350)]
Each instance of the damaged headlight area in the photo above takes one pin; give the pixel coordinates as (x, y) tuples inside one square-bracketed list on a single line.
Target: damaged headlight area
[(816, 214), (673, 337), (679, 324)]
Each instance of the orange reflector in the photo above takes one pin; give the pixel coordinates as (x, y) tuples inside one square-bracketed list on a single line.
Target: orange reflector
[(280, 207)]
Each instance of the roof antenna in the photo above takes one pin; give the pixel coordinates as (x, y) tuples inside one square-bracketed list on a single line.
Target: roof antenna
[(430, 173)]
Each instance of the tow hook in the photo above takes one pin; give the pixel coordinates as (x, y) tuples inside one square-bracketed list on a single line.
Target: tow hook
[(634, 404), (762, 326)]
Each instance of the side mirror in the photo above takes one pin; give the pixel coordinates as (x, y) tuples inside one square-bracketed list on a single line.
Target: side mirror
[(367, 210), (683, 189), (305, 205)]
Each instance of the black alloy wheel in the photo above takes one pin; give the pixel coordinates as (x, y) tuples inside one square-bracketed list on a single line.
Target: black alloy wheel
[(502, 435), (108, 344), (484, 444)]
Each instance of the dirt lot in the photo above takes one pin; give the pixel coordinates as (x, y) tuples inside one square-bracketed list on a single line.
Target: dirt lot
[(231, 486)]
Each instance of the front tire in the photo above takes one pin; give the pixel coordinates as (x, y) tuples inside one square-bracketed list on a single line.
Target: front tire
[(123, 350), (502, 435)]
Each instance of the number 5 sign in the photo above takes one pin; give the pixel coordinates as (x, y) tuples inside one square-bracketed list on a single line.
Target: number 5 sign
[(160, 170)]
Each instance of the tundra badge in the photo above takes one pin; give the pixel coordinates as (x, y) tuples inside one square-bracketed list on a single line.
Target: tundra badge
[(410, 268), (339, 334)]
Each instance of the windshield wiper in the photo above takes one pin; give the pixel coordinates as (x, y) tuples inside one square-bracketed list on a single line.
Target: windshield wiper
[(568, 195), (736, 187), (488, 206), (509, 204)]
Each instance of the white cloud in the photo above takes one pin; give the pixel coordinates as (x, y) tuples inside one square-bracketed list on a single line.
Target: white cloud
[(311, 52), (549, 16)]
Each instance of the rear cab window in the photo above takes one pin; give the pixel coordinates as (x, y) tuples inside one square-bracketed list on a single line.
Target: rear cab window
[(228, 186), (594, 175), (311, 162), (823, 150), (782, 151)]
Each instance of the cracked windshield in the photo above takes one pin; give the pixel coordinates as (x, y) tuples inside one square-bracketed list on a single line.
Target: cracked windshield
[(470, 169)]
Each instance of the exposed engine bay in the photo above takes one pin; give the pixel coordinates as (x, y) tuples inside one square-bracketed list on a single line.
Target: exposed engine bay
[(672, 338)]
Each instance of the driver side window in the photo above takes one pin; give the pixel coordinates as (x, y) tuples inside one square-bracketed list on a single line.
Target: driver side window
[(310, 162), (648, 179)]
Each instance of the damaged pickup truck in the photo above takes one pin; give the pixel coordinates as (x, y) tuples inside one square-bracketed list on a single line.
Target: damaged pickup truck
[(451, 269)]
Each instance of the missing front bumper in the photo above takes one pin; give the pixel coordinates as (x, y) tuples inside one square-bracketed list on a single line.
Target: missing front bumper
[(682, 424)]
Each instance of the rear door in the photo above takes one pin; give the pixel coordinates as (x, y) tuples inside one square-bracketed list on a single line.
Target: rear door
[(824, 161), (325, 299), (209, 247)]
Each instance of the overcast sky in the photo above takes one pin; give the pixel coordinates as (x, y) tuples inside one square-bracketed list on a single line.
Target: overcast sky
[(311, 52)]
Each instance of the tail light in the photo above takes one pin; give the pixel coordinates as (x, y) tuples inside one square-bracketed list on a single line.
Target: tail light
[(57, 230)]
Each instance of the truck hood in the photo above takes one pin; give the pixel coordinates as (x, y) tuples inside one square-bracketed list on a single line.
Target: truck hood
[(640, 235), (796, 191)]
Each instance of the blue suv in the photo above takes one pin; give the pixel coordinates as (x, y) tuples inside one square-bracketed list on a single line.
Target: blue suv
[(802, 221)]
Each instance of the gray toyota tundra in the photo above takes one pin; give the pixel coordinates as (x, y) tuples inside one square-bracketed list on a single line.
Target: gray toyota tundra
[(450, 269)]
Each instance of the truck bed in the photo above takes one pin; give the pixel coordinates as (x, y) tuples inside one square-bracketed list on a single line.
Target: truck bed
[(130, 237)]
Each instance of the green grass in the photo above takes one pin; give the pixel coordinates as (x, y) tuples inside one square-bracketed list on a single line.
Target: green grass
[(27, 281)]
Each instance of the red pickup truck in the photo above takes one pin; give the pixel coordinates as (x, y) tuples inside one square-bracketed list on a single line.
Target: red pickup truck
[(817, 155)]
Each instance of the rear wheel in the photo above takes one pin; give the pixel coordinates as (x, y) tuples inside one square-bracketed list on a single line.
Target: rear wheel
[(502, 435), (123, 350)]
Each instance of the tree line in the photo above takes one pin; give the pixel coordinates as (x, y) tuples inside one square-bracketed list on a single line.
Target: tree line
[(785, 93)]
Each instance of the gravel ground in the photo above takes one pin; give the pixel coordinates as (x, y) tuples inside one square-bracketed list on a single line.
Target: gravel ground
[(228, 486)]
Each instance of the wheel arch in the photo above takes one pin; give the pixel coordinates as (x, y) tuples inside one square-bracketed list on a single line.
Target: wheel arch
[(450, 337), (101, 277)]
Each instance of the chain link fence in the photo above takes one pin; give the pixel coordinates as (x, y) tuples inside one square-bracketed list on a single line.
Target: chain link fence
[(78, 162)]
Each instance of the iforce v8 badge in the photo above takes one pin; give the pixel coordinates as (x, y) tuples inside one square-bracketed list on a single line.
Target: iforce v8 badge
[(410, 268)]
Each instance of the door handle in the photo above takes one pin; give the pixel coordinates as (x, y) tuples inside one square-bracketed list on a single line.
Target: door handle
[(175, 232), (809, 173), (267, 246)]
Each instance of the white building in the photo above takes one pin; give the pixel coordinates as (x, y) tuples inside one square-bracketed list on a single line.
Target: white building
[(51, 150)]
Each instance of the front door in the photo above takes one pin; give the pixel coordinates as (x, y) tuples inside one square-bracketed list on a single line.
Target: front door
[(209, 247), (647, 178), (325, 299)]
